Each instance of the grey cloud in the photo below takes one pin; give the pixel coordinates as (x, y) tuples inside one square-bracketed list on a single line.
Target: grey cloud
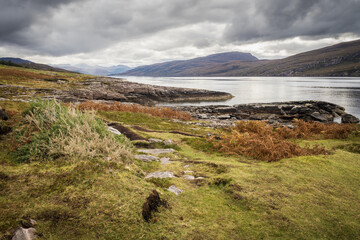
[(62, 27), (279, 19)]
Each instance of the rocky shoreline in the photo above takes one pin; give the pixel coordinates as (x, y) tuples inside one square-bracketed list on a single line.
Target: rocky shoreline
[(113, 89), (278, 112)]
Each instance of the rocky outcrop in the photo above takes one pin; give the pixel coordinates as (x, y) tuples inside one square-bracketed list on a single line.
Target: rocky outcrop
[(273, 112), (114, 89)]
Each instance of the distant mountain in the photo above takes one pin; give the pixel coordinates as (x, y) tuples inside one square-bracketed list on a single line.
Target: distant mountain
[(338, 60), (29, 64), (94, 69), (190, 67)]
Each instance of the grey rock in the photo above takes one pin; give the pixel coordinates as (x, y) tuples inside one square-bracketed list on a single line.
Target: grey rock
[(168, 142), (202, 116), (188, 177), (146, 158), (24, 234), (322, 117), (165, 161), (166, 174), (348, 118), (154, 140), (225, 110), (156, 151), (175, 190), (225, 116), (113, 130)]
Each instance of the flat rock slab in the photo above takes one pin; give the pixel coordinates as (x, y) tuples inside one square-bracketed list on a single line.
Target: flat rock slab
[(146, 158), (188, 177), (166, 174), (165, 161), (156, 151), (24, 234), (113, 130), (175, 190)]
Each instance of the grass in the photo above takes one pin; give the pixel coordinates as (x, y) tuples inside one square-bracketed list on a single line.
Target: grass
[(308, 197), (164, 112), (51, 130)]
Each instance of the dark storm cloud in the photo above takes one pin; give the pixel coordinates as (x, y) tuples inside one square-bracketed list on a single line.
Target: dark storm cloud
[(66, 27), (278, 19)]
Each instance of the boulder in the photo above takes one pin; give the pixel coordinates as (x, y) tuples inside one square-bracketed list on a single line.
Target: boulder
[(348, 118), (24, 234), (322, 117)]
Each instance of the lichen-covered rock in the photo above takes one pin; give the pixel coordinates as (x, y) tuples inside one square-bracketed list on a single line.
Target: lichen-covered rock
[(166, 174)]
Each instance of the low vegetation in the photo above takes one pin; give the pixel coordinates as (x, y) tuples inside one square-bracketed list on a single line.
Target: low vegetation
[(51, 130), (61, 167), (164, 112), (261, 141)]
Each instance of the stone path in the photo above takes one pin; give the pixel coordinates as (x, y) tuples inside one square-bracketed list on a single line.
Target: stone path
[(153, 156)]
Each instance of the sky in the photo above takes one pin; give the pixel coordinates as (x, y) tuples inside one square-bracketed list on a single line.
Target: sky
[(139, 32)]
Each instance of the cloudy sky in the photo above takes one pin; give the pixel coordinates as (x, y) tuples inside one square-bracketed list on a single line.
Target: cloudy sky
[(137, 32)]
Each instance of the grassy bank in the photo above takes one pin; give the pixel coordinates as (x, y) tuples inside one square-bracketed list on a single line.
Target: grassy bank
[(76, 196)]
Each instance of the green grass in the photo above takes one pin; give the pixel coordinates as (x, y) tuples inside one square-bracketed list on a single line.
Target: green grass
[(313, 197)]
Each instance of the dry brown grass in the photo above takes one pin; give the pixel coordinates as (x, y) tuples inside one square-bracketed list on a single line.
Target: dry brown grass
[(15, 73), (261, 141), (163, 112), (306, 130)]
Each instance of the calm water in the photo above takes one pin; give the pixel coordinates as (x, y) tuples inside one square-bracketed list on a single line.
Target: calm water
[(342, 91)]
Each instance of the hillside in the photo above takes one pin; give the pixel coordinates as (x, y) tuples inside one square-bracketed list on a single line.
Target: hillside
[(32, 65), (191, 67), (338, 60), (94, 69), (68, 173)]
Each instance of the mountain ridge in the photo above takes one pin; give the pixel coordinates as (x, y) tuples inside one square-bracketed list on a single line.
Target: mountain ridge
[(342, 59)]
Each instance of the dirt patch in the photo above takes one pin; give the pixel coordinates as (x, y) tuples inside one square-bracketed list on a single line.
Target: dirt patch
[(127, 132), (152, 203), (144, 129)]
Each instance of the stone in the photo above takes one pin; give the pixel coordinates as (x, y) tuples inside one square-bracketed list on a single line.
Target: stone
[(146, 158), (202, 116), (156, 151), (322, 117), (113, 130), (348, 118), (154, 140), (175, 190), (166, 174), (27, 222), (168, 142), (225, 109), (225, 116), (188, 177), (24, 234), (165, 161)]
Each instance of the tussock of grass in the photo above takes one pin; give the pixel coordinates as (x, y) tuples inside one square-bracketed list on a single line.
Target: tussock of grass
[(136, 108), (51, 130)]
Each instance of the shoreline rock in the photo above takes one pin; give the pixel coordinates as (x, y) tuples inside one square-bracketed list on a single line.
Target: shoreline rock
[(276, 112)]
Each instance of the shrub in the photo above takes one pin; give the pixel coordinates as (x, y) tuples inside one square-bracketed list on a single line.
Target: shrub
[(126, 107), (51, 130)]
